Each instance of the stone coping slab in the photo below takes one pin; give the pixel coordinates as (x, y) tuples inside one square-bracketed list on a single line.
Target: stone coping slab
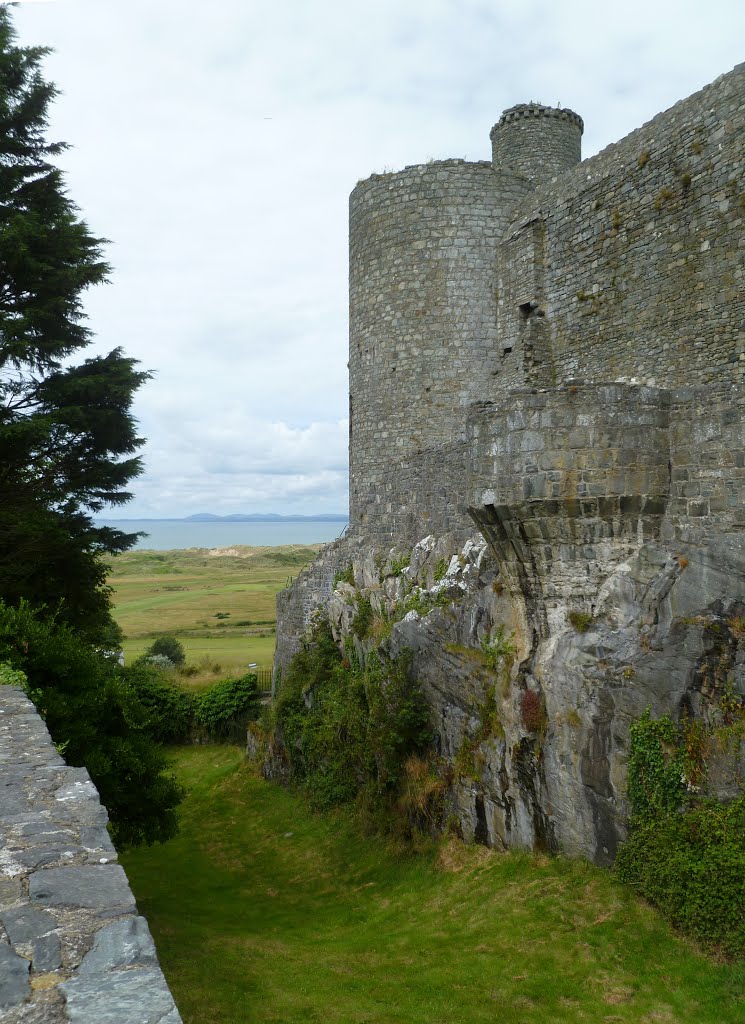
[(72, 945)]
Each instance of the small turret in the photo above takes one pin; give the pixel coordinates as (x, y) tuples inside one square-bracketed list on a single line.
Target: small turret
[(537, 142)]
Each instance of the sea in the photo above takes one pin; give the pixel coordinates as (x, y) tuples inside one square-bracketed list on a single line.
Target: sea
[(170, 534)]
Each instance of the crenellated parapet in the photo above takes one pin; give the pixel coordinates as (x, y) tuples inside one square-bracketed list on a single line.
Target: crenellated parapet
[(530, 111)]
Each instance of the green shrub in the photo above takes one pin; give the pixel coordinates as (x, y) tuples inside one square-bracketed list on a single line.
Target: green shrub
[(656, 772), (581, 621), (464, 762), (692, 866), (381, 627), (423, 603), (440, 571), (684, 854), (347, 730), (95, 715), (498, 649), (468, 758), (225, 710), (344, 576), (169, 647), (363, 619), (158, 661), (170, 710), (399, 564), (10, 676)]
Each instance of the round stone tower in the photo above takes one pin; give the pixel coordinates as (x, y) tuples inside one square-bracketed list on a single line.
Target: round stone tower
[(537, 142), (423, 282), (423, 311)]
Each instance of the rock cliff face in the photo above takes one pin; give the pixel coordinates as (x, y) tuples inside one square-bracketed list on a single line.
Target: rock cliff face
[(534, 723)]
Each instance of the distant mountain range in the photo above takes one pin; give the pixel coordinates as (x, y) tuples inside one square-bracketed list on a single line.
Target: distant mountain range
[(238, 517), (264, 517)]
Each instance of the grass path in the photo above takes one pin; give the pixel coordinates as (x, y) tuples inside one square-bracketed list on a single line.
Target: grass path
[(263, 912)]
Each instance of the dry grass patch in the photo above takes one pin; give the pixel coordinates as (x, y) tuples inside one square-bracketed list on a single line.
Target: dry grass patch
[(454, 857)]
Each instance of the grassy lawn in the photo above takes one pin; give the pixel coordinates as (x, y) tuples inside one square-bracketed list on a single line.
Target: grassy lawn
[(264, 912), (220, 603)]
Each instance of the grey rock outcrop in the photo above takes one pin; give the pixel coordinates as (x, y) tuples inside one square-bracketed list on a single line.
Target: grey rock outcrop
[(666, 633)]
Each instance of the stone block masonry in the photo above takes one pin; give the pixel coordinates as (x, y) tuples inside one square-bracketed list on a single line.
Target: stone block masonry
[(296, 605), (537, 142), (423, 313), (566, 484), (640, 273), (72, 945), (707, 461), (468, 280)]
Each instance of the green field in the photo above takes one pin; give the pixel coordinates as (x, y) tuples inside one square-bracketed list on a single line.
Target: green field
[(220, 603), (264, 912)]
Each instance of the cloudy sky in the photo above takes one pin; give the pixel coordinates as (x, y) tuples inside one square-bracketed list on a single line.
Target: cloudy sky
[(216, 144)]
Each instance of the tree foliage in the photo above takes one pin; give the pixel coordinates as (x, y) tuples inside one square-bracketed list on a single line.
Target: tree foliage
[(225, 710), (90, 706), (67, 436), (220, 713), (169, 708), (168, 647), (692, 866)]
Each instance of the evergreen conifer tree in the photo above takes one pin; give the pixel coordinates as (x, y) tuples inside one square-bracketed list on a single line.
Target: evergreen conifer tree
[(67, 436)]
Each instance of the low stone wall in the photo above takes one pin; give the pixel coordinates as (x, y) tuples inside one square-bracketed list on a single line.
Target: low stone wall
[(295, 605), (72, 945)]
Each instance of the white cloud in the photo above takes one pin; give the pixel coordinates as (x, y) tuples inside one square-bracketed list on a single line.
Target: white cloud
[(216, 146), (235, 461)]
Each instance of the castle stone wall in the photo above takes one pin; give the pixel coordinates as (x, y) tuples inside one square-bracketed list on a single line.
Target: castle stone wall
[(72, 946), (309, 591), (583, 474), (423, 315), (592, 319), (421, 492), (467, 282), (599, 308), (642, 269), (707, 460)]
